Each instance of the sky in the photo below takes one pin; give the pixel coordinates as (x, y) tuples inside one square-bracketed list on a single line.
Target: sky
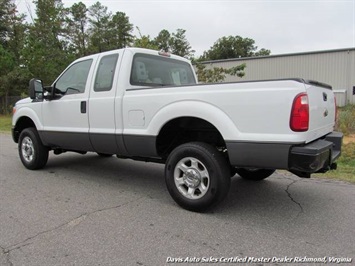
[(282, 26)]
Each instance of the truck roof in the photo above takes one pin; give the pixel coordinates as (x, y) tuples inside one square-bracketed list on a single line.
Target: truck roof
[(135, 50)]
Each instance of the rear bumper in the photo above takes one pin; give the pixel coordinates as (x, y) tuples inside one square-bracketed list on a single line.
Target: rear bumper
[(318, 156), (302, 160)]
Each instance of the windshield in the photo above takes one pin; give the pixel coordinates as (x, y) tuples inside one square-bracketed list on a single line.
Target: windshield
[(150, 70)]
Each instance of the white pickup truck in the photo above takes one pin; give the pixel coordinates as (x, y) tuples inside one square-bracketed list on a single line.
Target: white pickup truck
[(146, 105)]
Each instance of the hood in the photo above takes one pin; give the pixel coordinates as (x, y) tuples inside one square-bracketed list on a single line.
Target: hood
[(23, 101)]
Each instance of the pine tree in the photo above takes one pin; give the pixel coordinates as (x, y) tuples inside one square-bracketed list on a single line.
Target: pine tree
[(47, 50)]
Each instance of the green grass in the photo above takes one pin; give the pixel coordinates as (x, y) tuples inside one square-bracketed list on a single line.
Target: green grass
[(346, 165), (346, 119), (5, 123), (346, 162)]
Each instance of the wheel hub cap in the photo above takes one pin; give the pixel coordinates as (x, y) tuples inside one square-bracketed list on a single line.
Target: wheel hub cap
[(27, 149), (192, 178)]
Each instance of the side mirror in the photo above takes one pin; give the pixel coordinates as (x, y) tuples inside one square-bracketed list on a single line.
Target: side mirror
[(35, 87)]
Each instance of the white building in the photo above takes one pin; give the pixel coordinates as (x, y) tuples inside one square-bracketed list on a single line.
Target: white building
[(334, 67)]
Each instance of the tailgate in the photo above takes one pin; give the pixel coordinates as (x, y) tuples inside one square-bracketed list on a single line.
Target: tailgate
[(322, 109)]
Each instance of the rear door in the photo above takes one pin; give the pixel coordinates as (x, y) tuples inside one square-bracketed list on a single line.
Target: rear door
[(322, 109), (102, 103)]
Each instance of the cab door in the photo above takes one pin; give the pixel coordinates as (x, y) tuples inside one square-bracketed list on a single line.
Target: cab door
[(102, 104), (66, 122)]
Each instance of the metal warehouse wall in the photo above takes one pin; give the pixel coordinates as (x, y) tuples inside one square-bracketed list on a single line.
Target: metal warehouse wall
[(335, 67)]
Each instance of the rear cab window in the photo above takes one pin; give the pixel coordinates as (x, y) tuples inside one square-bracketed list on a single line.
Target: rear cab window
[(155, 71)]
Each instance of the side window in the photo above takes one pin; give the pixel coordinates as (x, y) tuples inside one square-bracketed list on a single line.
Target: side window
[(105, 73), (74, 78)]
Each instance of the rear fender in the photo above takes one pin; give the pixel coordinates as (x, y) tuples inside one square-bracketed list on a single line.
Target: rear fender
[(197, 109)]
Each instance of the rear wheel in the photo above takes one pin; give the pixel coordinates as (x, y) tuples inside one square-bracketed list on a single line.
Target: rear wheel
[(254, 174), (33, 154), (197, 176)]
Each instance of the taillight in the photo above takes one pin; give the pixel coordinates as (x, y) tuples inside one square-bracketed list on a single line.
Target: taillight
[(299, 120)]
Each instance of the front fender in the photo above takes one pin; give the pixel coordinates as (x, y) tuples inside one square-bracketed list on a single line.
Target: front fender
[(32, 113)]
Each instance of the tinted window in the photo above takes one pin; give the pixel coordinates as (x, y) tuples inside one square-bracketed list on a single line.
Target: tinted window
[(74, 79), (105, 73), (150, 70)]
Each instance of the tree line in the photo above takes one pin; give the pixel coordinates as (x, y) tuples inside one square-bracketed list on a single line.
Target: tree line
[(57, 35)]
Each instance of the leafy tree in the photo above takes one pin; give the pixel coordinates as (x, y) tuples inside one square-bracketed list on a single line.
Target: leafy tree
[(13, 78), (179, 44), (7, 62), (14, 83), (163, 40), (77, 24), (12, 33), (218, 74), (120, 31), (233, 47), (47, 48), (175, 43), (99, 20), (109, 31), (5, 7), (12, 28), (144, 41), (262, 52)]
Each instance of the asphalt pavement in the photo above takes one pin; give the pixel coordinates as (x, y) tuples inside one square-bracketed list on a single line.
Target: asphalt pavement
[(89, 210)]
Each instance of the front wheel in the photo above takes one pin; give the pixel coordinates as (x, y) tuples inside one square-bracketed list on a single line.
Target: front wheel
[(33, 154), (197, 176), (254, 174)]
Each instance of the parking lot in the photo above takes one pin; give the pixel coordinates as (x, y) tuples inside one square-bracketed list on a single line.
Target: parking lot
[(88, 210)]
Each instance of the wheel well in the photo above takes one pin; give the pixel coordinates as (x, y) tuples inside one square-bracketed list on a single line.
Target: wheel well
[(187, 129), (23, 123)]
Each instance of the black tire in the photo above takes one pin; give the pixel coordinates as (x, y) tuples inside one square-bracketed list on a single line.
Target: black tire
[(254, 174), (104, 154), (206, 175), (33, 154)]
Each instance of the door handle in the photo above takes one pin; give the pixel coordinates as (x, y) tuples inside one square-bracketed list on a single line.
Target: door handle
[(83, 107), (325, 97)]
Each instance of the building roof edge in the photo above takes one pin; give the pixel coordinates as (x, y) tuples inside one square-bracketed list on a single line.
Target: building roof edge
[(278, 55)]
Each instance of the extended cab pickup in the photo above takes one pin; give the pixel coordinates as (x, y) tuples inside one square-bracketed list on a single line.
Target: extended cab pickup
[(146, 105)]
